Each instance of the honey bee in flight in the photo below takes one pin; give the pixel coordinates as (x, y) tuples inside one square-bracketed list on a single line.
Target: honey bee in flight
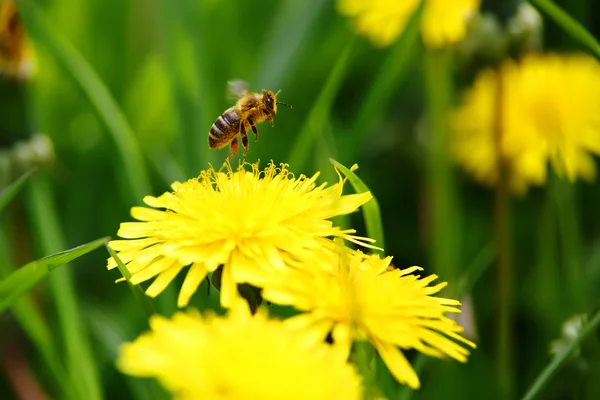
[(249, 110)]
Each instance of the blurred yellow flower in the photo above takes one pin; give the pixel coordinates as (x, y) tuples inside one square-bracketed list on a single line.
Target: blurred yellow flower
[(443, 22), (238, 357), (16, 56), (357, 297), (548, 114), (252, 222)]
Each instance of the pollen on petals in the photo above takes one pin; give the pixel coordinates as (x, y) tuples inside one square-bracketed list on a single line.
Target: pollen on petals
[(359, 298), (254, 222)]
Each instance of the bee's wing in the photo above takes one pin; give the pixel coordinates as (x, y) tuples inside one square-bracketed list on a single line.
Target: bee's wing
[(236, 89)]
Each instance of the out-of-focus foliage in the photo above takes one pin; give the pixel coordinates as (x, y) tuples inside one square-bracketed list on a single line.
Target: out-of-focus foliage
[(166, 64)]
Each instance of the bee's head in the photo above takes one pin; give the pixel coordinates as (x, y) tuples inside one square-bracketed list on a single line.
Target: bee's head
[(270, 100)]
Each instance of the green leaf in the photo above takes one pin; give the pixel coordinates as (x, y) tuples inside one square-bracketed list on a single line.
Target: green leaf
[(569, 24), (23, 279), (371, 211), (65, 53), (11, 191), (137, 290)]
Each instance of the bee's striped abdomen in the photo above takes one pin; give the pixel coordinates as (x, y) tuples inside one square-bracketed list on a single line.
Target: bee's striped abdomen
[(224, 129)]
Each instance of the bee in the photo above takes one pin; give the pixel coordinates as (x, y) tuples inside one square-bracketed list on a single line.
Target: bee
[(249, 110)]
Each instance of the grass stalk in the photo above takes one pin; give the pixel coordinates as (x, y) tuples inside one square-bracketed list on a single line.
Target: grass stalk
[(444, 229), (559, 360), (565, 199), (320, 110), (504, 280), (81, 370), (389, 76), (82, 72), (568, 24)]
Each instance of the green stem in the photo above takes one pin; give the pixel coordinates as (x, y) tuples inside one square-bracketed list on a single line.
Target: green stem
[(504, 290), (444, 229), (569, 24), (570, 241), (561, 358), (547, 288), (361, 356)]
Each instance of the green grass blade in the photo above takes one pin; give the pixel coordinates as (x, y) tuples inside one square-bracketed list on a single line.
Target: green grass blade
[(11, 191), (406, 393), (389, 76), (371, 211), (566, 208), (24, 278), (81, 370), (444, 211), (64, 257), (33, 323), (560, 359), (89, 81), (568, 24), (320, 111), (483, 260), (137, 290), (110, 332), (190, 74), (285, 38)]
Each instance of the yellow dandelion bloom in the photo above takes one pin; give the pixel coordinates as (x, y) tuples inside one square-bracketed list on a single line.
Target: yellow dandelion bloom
[(16, 56), (238, 357), (547, 115), (252, 222), (357, 297), (443, 22)]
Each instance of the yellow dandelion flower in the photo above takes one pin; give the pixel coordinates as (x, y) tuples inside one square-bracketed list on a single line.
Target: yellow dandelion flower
[(357, 297), (238, 357), (443, 22), (16, 56), (252, 222), (547, 115)]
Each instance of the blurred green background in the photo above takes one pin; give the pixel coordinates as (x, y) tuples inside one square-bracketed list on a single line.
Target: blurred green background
[(166, 64)]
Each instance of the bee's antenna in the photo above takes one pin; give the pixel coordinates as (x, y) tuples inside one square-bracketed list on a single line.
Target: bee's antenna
[(283, 104), (277, 94)]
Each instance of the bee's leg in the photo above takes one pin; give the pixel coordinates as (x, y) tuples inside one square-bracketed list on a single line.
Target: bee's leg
[(253, 129), (234, 148), (267, 113), (244, 138)]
